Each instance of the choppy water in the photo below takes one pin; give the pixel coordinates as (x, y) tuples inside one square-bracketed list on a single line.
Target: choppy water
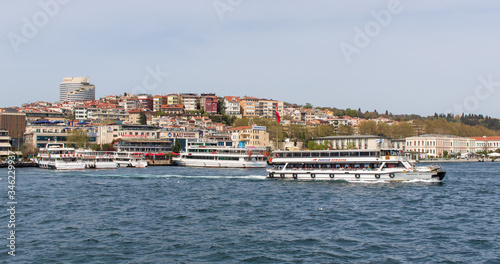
[(187, 215)]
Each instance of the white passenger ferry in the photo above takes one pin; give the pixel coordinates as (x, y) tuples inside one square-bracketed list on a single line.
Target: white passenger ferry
[(350, 165), (130, 159), (98, 159), (57, 156), (222, 157)]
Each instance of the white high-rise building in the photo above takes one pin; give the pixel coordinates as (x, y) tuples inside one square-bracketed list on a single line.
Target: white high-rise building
[(76, 89)]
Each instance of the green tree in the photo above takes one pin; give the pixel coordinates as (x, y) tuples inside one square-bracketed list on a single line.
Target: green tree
[(28, 150), (308, 106), (78, 138), (324, 131), (177, 146), (368, 128), (142, 118), (345, 130), (241, 122)]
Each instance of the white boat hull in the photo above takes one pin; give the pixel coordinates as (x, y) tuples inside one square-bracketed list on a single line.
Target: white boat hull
[(357, 175), (132, 164), (62, 165), (101, 165)]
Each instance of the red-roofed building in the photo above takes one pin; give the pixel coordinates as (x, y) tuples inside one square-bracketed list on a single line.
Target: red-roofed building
[(173, 109), (232, 105), (487, 143)]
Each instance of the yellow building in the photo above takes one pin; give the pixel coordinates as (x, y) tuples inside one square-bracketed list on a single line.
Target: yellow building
[(254, 136), (173, 99)]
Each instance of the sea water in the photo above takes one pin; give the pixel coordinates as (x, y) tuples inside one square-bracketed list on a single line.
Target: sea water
[(197, 215)]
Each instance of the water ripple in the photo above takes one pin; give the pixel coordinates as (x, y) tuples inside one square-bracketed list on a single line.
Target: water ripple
[(193, 215)]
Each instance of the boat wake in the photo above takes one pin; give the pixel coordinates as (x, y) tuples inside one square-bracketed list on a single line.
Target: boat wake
[(401, 181), (251, 177), (167, 176)]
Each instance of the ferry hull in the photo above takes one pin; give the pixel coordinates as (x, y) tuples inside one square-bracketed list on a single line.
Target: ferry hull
[(102, 165), (132, 164), (63, 166), (358, 176)]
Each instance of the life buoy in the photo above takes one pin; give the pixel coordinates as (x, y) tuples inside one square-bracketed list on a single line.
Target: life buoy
[(332, 175), (377, 176), (357, 176), (391, 175), (313, 175), (271, 175), (282, 175), (294, 175)]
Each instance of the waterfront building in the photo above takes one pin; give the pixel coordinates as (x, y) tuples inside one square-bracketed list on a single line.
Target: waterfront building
[(232, 105), (5, 145), (38, 136), (109, 133), (435, 145), (15, 123), (486, 143), (255, 136), (76, 89), (356, 142), (143, 145)]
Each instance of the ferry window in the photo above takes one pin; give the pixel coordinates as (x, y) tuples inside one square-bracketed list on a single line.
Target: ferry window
[(364, 154), (353, 154), (344, 154), (289, 154), (325, 154), (314, 154), (296, 154), (334, 154)]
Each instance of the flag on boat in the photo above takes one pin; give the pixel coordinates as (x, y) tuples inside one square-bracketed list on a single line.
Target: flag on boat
[(278, 119)]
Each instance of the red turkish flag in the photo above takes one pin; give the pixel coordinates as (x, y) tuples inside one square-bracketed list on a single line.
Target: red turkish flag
[(277, 114)]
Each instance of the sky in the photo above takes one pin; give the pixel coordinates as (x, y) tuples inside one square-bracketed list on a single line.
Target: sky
[(406, 57)]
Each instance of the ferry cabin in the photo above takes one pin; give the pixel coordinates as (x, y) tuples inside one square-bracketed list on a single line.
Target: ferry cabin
[(340, 159), (225, 154), (222, 157)]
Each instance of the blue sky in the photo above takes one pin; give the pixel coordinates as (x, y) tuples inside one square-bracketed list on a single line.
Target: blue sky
[(428, 57)]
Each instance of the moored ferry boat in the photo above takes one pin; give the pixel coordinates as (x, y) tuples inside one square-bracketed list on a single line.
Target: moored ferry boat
[(222, 157), (130, 159), (57, 156), (350, 165), (98, 159)]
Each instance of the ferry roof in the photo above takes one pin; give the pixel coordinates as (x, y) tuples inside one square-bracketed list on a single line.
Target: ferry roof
[(336, 150), (349, 136)]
